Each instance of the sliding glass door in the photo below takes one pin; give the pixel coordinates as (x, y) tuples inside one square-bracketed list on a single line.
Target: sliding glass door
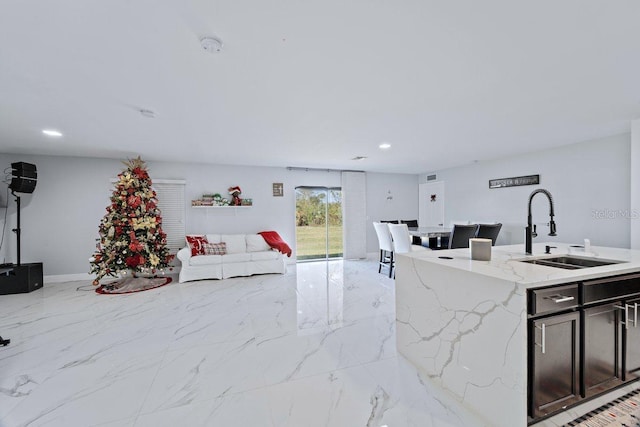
[(318, 223)]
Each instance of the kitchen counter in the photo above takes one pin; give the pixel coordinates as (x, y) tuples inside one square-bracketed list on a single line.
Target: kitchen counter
[(463, 323), (504, 263)]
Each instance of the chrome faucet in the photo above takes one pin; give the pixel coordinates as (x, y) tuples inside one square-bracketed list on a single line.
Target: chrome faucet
[(530, 231)]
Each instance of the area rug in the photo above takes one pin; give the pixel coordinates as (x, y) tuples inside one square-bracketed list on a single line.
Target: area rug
[(133, 284), (622, 412)]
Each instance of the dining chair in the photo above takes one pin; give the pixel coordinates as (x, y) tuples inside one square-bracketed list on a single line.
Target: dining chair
[(460, 235), (489, 231), (386, 246), (445, 240), (402, 239), (412, 223)]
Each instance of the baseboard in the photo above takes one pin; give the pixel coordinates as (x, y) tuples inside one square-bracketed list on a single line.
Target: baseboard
[(59, 278)]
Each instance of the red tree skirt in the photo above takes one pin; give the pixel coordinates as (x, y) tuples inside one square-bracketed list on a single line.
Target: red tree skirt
[(133, 284)]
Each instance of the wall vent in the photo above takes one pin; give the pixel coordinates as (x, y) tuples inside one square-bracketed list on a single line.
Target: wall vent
[(431, 177)]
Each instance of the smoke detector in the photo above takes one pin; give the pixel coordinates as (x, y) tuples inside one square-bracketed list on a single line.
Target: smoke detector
[(211, 44), (149, 114)]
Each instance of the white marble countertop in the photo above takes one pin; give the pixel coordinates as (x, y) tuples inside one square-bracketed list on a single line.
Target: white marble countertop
[(504, 264)]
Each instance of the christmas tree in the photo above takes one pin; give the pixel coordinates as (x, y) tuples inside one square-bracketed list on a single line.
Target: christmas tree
[(131, 236)]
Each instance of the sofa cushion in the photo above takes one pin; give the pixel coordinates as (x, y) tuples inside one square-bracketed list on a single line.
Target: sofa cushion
[(213, 238), (256, 243), (264, 256), (230, 258), (196, 243), (206, 260), (235, 243), (215, 248)]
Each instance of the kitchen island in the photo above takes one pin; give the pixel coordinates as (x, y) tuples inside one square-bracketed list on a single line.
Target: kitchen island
[(464, 324)]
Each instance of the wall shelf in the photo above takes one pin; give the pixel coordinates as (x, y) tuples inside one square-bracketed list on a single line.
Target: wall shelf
[(220, 207)]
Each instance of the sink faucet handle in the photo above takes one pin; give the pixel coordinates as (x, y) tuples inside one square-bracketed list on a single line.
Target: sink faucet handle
[(547, 249), (533, 233)]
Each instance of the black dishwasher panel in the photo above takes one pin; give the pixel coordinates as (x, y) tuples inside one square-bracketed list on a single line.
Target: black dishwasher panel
[(610, 288), (602, 346), (631, 347)]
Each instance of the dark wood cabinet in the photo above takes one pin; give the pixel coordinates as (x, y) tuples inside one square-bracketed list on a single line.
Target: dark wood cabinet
[(584, 340), (631, 343), (555, 365), (602, 347)]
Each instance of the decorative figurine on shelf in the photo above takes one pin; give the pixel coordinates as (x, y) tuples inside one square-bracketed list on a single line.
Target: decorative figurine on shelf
[(235, 194)]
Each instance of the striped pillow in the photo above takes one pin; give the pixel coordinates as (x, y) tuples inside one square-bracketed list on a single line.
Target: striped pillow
[(215, 248)]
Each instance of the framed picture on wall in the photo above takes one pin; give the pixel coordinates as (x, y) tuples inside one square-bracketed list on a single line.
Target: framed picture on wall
[(278, 189)]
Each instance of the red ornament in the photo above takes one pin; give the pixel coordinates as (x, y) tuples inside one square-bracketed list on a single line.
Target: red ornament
[(133, 261)]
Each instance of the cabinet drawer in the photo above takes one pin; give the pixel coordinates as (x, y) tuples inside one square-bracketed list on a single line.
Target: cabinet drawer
[(610, 288), (553, 299)]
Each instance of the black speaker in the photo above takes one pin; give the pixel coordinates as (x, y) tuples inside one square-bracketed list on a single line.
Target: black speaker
[(23, 185), (21, 279), (24, 177), (25, 170)]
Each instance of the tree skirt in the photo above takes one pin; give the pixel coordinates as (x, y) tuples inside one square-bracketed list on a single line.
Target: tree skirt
[(132, 284)]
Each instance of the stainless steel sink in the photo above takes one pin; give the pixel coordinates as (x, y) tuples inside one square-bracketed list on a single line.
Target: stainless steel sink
[(569, 262)]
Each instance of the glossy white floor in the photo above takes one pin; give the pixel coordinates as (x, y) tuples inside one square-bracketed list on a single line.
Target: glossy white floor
[(315, 347)]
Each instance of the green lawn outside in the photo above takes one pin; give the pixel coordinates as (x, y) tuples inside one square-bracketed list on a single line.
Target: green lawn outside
[(310, 241)]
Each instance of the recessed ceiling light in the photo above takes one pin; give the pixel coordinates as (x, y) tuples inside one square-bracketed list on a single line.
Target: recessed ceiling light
[(52, 132), (359, 158), (384, 146)]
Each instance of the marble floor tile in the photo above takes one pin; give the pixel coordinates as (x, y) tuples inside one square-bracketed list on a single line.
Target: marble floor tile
[(347, 397), (205, 372), (241, 409), (96, 390), (370, 339), (314, 346), (291, 357)]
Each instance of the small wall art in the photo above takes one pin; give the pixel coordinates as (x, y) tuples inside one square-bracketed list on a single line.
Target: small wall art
[(278, 189), (515, 181)]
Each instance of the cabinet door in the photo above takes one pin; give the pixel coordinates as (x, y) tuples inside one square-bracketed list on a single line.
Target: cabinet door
[(554, 373), (601, 348), (631, 333)]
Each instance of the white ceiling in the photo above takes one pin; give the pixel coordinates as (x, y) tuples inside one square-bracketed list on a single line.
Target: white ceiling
[(315, 83)]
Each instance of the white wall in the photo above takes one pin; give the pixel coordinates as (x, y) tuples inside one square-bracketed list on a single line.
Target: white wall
[(589, 181), (60, 219), (389, 197), (635, 183)]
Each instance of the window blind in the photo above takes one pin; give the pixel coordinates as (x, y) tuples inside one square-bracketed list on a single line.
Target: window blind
[(354, 222), (171, 202)]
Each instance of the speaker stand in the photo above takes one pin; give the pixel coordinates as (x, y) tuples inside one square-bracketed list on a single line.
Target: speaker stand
[(4, 342), (17, 229)]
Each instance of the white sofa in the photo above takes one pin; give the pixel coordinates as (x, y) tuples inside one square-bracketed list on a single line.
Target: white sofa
[(247, 254)]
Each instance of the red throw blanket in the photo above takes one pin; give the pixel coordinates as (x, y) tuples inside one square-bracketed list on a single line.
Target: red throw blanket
[(274, 240)]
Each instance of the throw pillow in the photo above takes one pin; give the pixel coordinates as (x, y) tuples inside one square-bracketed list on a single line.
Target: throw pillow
[(235, 243), (196, 244), (256, 243), (215, 248)]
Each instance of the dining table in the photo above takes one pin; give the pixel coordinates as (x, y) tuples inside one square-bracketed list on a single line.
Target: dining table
[(438, 236)]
